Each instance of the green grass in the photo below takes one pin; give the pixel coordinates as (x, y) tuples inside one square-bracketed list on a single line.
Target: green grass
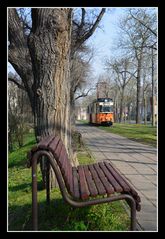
[(58, 216), (146, 134), (83, 121)]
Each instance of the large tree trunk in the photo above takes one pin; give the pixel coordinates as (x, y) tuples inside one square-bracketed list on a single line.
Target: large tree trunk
[(49, 44)]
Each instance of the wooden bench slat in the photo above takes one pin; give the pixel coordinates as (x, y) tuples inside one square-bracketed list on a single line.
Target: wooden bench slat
[(43, 144), (76, 192), (65, 166), (111, 178), (97, 181), (109, 188), (61, 158), (91, 185), (70, 179), (132, 190), (69, 176), (118, 177), (84, 192), (65, 162), (53, 144), (57, 152)]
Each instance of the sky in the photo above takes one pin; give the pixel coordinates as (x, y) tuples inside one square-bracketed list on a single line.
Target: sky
[(104, 39)]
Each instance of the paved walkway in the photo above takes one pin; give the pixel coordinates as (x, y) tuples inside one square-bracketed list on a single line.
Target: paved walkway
[(137, 162)]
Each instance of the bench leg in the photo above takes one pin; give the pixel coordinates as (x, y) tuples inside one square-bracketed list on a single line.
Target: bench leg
[(47, 181), (133, 215), (34, 195)]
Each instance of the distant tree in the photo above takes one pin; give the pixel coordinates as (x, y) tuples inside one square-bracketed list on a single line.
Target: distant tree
[(149, 22), (122, 68), (138, 33), (80, 70), (18, 116), (146, 87)]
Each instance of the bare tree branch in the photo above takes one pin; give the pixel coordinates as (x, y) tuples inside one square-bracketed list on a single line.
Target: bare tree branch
[(142, 23), (148, 46), (82, 18), (16, 82), (93, 28), (75, 23), (18, 52), (84, 94), (132, 74), (82, 38)]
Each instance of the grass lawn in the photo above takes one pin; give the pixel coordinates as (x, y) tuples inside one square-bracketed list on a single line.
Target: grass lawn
[(58, 216), (146, 134)]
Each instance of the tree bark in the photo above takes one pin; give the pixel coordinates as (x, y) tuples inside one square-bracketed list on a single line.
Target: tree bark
[(121, 105), (138, 99), (145, 110), (49, 44)]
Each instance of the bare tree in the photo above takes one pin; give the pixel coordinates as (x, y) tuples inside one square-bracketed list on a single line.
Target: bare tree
[(18, 115), (149, 22), (146, 89), (122, 69), (84, 25), (80, 69), (136, 37)]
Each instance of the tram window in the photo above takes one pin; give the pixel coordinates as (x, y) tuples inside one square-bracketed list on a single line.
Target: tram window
[(106, 108)]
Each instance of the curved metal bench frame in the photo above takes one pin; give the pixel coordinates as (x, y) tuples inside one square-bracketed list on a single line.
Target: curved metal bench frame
[(35, 159)]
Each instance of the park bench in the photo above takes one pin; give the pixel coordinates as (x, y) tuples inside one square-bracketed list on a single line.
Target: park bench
[(82, 185)]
